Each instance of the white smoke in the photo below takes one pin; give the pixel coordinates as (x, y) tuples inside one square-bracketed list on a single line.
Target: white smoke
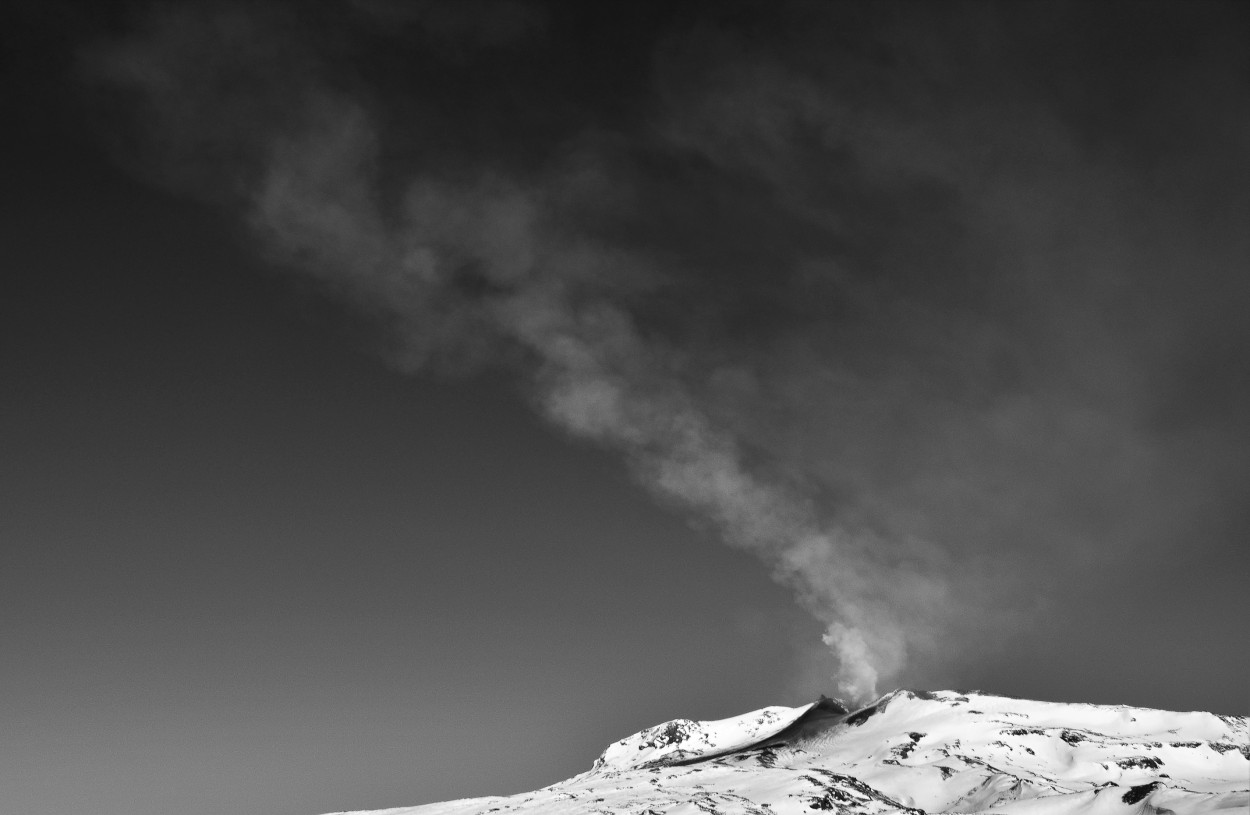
[(929, 260), (564, 302)]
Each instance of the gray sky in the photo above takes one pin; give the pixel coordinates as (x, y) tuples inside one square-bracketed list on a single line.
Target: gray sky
[(404, 400)]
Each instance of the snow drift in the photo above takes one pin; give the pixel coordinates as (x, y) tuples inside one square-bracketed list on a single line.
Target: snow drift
[(916, 752)]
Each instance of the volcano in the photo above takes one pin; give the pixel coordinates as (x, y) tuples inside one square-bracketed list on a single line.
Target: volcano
[(912, 752)]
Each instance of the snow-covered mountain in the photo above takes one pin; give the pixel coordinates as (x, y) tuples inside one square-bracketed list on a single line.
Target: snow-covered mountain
[(910, 752)]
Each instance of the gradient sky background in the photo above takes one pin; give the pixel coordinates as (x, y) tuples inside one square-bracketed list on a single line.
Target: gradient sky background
[(966, 284)]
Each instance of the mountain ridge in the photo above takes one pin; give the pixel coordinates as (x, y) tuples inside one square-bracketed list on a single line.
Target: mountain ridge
[(909, 751)]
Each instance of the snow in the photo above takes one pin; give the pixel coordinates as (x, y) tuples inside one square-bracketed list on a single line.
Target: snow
[(683, 740), (910, 751)]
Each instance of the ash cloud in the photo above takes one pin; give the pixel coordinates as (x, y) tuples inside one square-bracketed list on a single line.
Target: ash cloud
[(892, 296)]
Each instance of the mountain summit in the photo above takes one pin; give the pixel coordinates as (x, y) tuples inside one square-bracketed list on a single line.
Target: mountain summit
[(914, 752)]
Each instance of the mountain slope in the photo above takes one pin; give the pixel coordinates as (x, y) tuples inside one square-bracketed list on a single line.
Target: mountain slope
[(910, 751)]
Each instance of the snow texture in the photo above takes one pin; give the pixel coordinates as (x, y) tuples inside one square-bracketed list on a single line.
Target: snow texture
[(913, 752)]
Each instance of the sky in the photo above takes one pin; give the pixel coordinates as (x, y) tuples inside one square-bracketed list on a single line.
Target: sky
[(403, 400)]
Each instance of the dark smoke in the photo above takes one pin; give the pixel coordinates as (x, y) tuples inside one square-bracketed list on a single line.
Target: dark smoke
[(907, 300)]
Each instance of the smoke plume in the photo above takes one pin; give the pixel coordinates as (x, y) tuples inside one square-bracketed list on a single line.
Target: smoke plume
[(883, 294)]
